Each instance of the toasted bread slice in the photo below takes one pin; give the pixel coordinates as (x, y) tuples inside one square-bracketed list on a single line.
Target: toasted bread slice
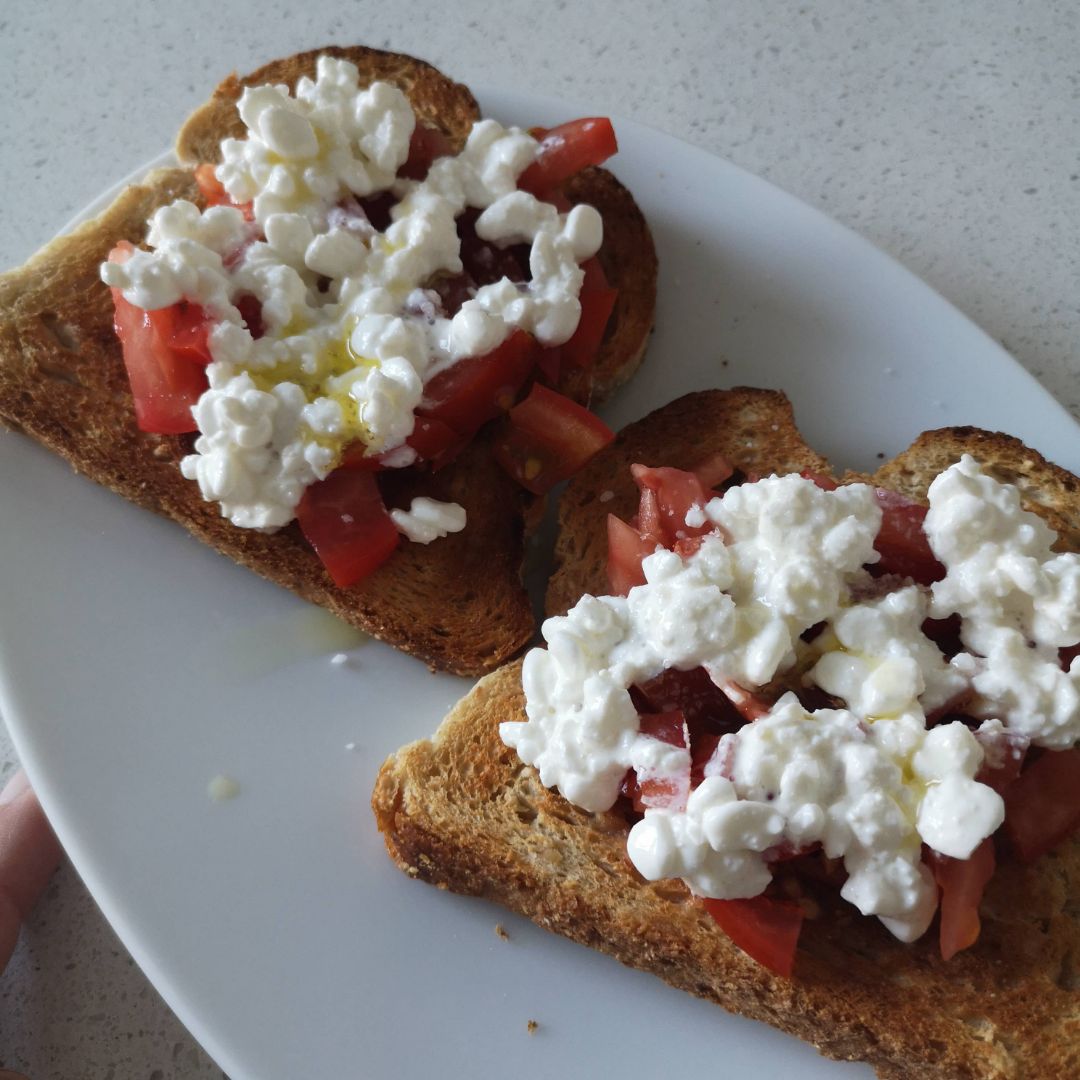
[(457, 604), (461, 811)]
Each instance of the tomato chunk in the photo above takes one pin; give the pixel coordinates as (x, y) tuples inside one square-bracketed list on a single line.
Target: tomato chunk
[(902, 543), (626, 548), (826, 483), (214, 193), (596, 308), (467, 394), (164, 382), (662, 791), (693, 692), (345, 521), (426, 144), (549, 438), (675, 492), (566, 150), (962, 883), (186, 329), (766, 930), (1042, 806)]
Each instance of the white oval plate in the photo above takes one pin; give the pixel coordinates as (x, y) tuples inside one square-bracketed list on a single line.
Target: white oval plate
[(135, 665)]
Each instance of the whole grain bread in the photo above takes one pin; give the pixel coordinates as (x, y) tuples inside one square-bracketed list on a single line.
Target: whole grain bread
[(462, 812), (457, 604)]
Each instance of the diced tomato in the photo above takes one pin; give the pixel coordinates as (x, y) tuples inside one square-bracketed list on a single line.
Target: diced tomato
[(826, 483), (714, 471), (668, 727), (706, 752), (766, 930), (185, 327), (566, 150), (426, 144), (164, 382), (548, 438), (251, 311), (345, 521), (435, 441), (483, 262), (596, 308), (1042, 806), (469, 393), (752, 706), (626, 548), (902, 543), (665, 791), (595, 278), (962, 883), (705, 706), (675, 491), (214, 193)]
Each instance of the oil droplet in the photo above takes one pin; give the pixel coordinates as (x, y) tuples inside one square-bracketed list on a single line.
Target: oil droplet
[(222, 788)]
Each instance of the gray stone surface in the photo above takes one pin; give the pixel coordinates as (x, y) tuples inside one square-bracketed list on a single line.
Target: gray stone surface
[(948, 134)]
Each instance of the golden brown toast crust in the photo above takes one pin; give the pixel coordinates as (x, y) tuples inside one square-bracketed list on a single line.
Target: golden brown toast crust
[(458, 604), (462, 812)]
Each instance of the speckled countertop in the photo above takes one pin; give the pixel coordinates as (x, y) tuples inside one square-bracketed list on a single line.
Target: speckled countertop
[(947, 134)]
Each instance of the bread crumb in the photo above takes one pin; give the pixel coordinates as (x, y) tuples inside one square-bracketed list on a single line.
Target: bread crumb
[(500, 931), (531, 1027)]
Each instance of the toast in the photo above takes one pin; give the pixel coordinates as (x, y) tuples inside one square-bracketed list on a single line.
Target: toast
[(462, 812), (457, 604)]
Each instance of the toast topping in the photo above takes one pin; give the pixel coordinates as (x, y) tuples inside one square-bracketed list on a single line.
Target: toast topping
[(319, 282), (780, 592)]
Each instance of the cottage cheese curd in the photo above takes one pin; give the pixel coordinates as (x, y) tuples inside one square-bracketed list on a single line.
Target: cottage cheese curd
[(350, 338), (871, 782)]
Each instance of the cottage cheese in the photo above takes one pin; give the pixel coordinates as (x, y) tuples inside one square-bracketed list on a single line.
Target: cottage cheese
[(428, 519), (347, 325), (735, 608), (1019, 602), (871, 782)]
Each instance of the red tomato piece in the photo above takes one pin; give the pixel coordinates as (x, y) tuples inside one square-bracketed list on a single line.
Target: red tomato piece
[(902, 543), (469, 393), (566, 150), (164, 384), (707, 752), (595, 278), (648, 520), (435, 441), (345, 521), (626, 548), (1067, 655), (214, 193), (676, 491), (426, 144), (752, 706), (549, 438), (664, 791), (596, 308), (251, 310), (962, 883), (704, 705), (185, 327), (1042, 806), (766, 930), (826, 483), (714, 471)]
